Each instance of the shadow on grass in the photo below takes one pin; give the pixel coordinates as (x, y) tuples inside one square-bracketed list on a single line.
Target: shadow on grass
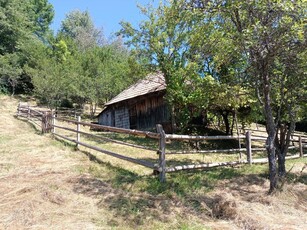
[(150, 199), (293, 178), (66, 143), (148, 142), (33, 126), (303, 178), (119, 174), (179, 183)]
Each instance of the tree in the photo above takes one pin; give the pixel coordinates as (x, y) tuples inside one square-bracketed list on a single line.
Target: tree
[(20, 22), (79, 73), (13, 25), (260, 44), (164, 40), (107, 70), (10, 71), (271, 36), (80, 27), (41, 15)]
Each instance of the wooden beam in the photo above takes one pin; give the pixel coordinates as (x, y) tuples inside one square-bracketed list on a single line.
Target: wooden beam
[(249, 147), (106, 139), (207, 151), (187, 137), (114, 129), (301, 146), (162, 146), (203, 166), (130, 159), (78, 131)]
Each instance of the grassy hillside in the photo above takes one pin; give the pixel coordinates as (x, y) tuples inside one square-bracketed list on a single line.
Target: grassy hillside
[(46, 184)]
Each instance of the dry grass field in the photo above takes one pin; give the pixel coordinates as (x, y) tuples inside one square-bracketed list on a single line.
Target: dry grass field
[(47, 184)]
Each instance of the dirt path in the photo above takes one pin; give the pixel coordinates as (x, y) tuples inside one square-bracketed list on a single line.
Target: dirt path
[(37, 176)]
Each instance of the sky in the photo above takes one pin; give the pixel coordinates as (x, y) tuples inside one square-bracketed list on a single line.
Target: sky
[(106, 14)]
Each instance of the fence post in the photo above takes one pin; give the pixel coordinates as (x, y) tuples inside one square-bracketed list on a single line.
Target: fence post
[(301, 146), (43, 122), (249, 147), (18, 109), (78, 131), (162, 163), (28, 112), (53, 122)]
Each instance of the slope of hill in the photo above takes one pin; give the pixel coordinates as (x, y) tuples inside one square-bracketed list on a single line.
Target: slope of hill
[(47, 185)]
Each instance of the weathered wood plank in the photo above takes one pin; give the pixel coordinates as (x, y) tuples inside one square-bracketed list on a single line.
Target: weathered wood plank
[(107, 139), (203, 166), (213, 165), (207, 151), (248, 147), (258, 138), (130, 159), (114, 129), (162, 160), (78, 131), (301, 147), (187, 137)]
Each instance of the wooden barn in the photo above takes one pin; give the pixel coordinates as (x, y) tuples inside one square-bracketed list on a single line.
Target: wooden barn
[(141, 106)]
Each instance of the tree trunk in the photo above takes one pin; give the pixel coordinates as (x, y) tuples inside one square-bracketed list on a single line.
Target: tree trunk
[(281, 164), (226, 121), (283, 145), (280, 144), (272, 163), (93, 106), (233, 122), (271, 130)]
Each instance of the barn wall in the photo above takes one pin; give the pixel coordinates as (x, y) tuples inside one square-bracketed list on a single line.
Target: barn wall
[(151, 111), (141, 113), (106, 118), (122, 118)]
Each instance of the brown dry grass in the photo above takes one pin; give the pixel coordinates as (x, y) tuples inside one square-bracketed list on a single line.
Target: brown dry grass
[(46, 185), (34, 179)]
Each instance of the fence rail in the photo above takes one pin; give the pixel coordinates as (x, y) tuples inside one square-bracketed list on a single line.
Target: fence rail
[(48, 122)]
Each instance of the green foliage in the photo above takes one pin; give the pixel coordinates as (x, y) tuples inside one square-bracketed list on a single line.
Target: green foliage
[(79, 68), (164, 41), (41, 15), (269, 36), (20, 23), (10, 71), (174, 41), (60, 51), (13, 25), (248, 47)]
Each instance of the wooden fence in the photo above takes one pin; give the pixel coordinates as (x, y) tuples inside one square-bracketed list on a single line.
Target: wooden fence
[(68, 112), (48, 122), (39, 117)]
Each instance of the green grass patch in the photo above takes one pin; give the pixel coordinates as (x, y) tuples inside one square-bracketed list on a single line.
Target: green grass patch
[(131, 177), (181, 184)]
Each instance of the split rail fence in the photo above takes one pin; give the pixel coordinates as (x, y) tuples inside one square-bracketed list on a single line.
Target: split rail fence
[(49, 122)]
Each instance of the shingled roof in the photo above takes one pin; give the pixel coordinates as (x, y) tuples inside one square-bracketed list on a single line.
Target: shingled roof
[(152, 83)]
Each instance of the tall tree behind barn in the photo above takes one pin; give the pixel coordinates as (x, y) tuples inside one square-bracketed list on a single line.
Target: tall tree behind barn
[(141, 106)]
